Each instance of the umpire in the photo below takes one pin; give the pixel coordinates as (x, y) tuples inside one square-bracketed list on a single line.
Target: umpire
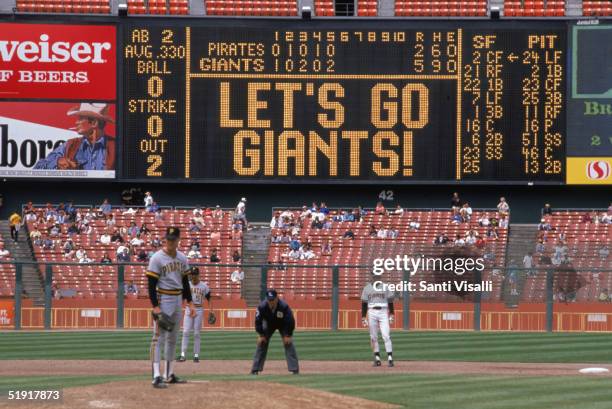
[(274, 314)]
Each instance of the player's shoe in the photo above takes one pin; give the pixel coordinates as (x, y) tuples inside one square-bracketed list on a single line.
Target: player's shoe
[(391, 364), (175, 379), (377, 362), (196, 359), (296, 372), (158, 383), (254, 372), (181, 358)]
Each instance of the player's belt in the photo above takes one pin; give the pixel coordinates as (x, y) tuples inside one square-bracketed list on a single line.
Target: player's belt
[(377, 308), (197, 305), (169, 292)]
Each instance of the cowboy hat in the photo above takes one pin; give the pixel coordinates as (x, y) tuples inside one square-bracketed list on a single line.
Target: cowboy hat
[(91, 110)]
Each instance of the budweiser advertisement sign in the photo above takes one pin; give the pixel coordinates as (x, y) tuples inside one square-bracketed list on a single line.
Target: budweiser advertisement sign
[(53, 139), (53, 61)]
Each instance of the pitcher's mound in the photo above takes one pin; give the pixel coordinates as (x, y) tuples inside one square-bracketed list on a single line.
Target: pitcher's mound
[(198, 394)]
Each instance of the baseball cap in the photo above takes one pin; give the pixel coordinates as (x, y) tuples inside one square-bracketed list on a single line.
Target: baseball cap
[(194, 271), (173, 233), (271, 294)]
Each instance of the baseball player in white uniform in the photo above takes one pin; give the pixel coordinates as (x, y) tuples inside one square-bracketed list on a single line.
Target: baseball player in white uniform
[(199, 292), (168, 286), (377, 312)]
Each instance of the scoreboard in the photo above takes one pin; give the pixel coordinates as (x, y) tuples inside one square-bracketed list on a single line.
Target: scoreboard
[(404, 101)]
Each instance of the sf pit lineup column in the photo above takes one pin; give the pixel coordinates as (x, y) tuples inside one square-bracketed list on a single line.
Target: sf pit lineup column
[(513, 105), (153, 57)]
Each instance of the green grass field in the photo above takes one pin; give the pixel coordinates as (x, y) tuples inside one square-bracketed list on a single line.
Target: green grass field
[(350, 345), (415, 391)]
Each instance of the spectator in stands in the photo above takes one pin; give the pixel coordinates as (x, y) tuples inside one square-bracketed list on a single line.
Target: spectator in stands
[(470, 237), (130, 288), (15, 225), (4, 253), (456, 202), (116, 237), (237, 276), (358, 214), (142, 256), (560, 249), (382, 233), (414, 224), (198, 217), (30, 216), (326, 248), (484, 221), (154, 208), (137, 241), (61, 217), (217, 213), (317, 223), (276, 223), (56, 292), (373, 232), (503, 221), (123, 256), (456, 216), (38, 241), (285, 238), (492, 233), (80, 252), (604, 252), (305, 213), (48, 243), (459, 241), (240, 212), (28, 208), (275, 238), (35, 233), (216, 235), (306, 253), (159, 216), (399, 211), (503, 207), (540, 247), (148, 201), (604, 296), (144, 229), (208, 213), (544, 225), (237, 228), (528, 263), (156, 242), (214, 258), (605, 218), (133, 230), (236, 257), (194, 251), (441, 239), (129, 212), (480, 243), (105, 208), (193, 227), (380, 208), (110, 220), (547, 210), (295, 244), (106, 259), (323, 209), (68, 248), (349, 235), (587, 218), (466, 213)]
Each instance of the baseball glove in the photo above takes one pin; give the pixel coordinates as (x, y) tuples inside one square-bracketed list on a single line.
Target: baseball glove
[(164, 321), (212, 318)]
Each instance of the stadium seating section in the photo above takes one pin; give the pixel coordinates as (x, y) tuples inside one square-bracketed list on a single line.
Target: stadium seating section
[(530, 8), (64, 6), (302, 281), (365, 8), (440, 8), (251, 7), (99, 281), (597, 8), (583, 241)]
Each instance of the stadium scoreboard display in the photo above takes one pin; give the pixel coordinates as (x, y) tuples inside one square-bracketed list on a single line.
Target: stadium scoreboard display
[(325, 101)]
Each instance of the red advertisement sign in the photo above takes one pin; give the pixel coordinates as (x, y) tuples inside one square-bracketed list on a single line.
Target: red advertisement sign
[(54, 61)]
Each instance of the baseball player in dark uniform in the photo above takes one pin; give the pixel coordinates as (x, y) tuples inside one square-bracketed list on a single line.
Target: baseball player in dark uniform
[(271, 315), (168, 286)]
